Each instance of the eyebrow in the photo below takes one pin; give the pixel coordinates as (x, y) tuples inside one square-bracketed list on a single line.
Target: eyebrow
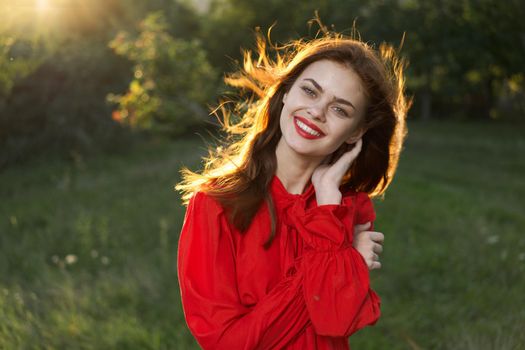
[(336, 99)]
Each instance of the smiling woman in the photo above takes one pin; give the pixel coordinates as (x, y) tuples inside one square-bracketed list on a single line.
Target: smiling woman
[(276, 246)]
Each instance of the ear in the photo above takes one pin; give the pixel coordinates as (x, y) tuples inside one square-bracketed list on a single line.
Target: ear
[(284, 97), (356, 135)]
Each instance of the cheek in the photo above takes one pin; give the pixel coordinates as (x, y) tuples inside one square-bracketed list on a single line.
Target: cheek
[(283, 119), (286, 113), (294, 100), (344, 131)]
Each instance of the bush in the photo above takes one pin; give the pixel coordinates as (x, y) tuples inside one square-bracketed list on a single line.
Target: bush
[(61, 105), (172, 80)]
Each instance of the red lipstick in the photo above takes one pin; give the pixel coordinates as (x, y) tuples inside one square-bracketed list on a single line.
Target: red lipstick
[(305, 134)]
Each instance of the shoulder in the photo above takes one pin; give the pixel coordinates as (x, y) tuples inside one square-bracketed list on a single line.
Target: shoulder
[(205, 220), (204, 204)]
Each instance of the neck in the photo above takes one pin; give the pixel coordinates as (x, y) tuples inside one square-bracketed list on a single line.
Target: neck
[(293, 169)]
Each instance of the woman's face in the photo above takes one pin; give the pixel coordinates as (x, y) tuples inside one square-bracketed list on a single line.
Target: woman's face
[(323, 109)]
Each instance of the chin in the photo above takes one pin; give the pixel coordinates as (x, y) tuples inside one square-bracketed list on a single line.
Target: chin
[(307, 151)]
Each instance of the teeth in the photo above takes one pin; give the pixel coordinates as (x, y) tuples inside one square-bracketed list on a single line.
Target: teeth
[(307, 129)]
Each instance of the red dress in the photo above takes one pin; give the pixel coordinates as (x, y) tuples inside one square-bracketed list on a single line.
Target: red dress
[(309, 290)]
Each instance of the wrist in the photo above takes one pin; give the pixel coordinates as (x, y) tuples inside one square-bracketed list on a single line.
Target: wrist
[(328, 197)]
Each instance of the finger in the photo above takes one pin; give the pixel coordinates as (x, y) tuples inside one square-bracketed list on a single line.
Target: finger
[(354, 152), (344, 162), (378, 248), (375, 257), (375, 265), (377, 237), (361, 228), (348, 157)]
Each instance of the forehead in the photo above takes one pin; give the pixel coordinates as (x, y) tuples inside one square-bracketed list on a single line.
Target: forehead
[(334, 77)]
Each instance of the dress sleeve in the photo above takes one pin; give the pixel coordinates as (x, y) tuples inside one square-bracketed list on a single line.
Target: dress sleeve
[(364, 208), (336, 279), (210, 298)]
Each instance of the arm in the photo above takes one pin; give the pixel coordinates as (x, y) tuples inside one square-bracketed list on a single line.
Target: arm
[(339, 298), (212, 307), (336, 278)]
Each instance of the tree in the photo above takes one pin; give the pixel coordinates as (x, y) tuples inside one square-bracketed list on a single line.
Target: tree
[(172, 79)]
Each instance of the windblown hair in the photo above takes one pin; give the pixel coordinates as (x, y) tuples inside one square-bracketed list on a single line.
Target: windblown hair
[(238, 175)]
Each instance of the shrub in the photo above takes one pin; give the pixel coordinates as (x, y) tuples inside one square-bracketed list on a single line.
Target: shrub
[(172, 79)]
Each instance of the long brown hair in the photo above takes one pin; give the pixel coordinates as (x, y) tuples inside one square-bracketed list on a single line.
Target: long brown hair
[(238, 175)]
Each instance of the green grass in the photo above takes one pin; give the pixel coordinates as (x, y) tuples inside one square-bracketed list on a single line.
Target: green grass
[(88, 248), (454, 260)]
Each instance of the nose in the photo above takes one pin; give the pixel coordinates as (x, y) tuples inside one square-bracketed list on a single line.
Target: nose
[(317, 111)]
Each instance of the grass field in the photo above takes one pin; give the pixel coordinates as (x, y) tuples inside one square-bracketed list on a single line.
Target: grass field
[(87, 248)]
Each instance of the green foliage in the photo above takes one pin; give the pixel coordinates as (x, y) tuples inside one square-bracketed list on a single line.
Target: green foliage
[(61, 106), (229, 25), (462, 54), (172, 79), (57, 72), (18, 58)]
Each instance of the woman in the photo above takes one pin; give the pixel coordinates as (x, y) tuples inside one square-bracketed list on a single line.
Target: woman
[(275, 250)]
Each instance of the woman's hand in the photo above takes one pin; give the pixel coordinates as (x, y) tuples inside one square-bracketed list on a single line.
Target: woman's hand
[(327, 178), (369, 244)]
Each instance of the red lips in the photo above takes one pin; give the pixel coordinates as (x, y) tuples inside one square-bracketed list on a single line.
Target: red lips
[(310, 125)]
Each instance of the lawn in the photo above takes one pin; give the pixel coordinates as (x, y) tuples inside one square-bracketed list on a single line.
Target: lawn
[(88, 247)]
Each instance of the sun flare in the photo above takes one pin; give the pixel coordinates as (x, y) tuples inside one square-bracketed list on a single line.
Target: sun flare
[(42, 5)]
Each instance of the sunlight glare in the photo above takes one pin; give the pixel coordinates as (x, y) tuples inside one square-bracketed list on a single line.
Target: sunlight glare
[(42, 5)]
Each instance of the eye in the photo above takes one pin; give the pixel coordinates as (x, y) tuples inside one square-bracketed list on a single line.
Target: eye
[(308, 91), (340, 111)]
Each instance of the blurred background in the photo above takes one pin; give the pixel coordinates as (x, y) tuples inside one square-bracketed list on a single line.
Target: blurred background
[(103, 101)]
